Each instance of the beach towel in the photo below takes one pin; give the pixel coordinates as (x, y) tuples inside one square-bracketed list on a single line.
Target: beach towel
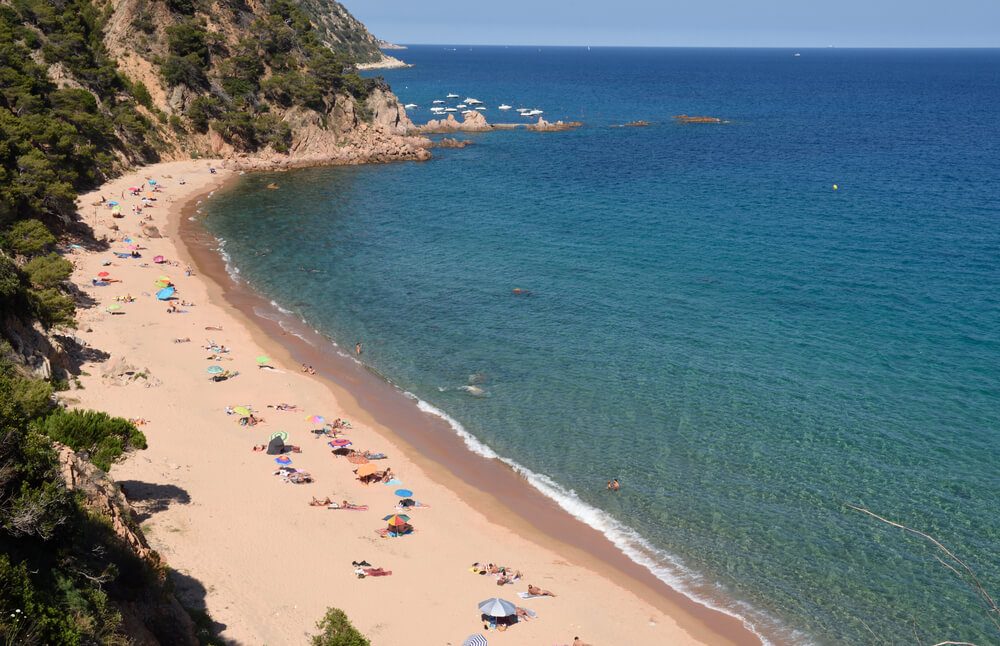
[(525, 595), (356, 508), (376, 571)]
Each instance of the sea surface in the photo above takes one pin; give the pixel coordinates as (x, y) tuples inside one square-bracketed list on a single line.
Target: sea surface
[(746, 348)]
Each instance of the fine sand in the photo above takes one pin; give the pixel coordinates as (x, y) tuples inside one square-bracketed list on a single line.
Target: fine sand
[(248, 546)]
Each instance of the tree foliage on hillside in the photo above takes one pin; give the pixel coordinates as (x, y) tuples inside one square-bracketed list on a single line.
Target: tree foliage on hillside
[(61, 568), (281, 62)]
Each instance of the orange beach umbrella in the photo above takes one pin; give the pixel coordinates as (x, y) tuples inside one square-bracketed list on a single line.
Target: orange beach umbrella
[(367, 470)]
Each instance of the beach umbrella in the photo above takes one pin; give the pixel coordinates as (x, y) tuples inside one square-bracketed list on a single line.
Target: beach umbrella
[(355, 459), (114, 307), (161, 284), (165, 293), (214, 370), (152, 182), (133, 188), (367, 470), (396, 520), (242, 410), (159, 259), (112, 203), (497, 607), (475, 640), (165, 279), (340, 442), (116, 209), (103, 274), (316, 419), (261, 360), (283, 435), (284, 459), (404, 493)]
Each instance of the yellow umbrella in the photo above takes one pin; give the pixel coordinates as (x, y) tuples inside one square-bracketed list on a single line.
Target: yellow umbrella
[(367, 470)]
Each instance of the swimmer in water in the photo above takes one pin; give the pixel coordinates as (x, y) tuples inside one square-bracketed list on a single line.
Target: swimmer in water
[(357, 348)]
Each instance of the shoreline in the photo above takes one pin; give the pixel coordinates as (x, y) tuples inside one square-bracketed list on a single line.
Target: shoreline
[(413, 439)]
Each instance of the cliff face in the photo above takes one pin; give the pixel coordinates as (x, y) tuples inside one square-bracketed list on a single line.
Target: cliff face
[(341, 31), (265, 79)]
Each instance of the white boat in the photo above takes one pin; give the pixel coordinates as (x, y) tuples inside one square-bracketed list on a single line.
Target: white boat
[(452, 96), (461, 105), (531, 113), (438, 102), (437, 110), (450, 110), (523, 109), (480, 107), (504, 106), (410, 106), (471, 101), (797, 54)]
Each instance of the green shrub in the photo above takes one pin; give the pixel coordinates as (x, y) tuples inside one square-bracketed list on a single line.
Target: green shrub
[(10, 279), (48, 271), (52, 307), (106, 438), (202, 110), (183, 70), (188, 37), (29, 238), (21, 399), (336, 630), (142, 95), (238, 129)]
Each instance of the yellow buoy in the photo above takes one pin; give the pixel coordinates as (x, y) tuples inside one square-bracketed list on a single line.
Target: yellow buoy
[(835, 187)]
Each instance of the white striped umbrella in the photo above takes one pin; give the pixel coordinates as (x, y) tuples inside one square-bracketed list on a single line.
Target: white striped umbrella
[(497, 607)]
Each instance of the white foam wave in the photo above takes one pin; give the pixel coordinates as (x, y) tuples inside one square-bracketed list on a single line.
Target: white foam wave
[(280, 308), (232, 270), (661, 564)]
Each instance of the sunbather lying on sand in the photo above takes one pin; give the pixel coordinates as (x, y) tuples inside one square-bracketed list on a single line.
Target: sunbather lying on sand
[(288, 448), (186, 339), (289, 474), (283, 406), (522, 614), (315, 502), (538, 592)]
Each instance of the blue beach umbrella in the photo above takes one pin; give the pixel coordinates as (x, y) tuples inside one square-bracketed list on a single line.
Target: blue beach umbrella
[(112, 203), (404, 493), (165, 293), (497, 607), (475, 640), (283, 460), (214, 370), (152, 182)]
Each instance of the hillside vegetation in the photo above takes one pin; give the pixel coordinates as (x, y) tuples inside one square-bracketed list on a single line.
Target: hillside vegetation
[(87, 89)]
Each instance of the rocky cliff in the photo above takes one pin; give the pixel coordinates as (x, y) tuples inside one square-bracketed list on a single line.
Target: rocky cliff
[(268, 80)]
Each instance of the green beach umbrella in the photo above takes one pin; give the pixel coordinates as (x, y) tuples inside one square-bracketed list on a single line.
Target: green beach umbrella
[(262, 359), (283, 435), (215, 370), (242, 410), (114, 307)]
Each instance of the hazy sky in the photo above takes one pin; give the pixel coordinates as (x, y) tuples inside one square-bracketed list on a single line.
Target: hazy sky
[(718, 23)]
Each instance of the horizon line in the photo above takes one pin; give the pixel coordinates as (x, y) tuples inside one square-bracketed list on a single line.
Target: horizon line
[(790, 47)]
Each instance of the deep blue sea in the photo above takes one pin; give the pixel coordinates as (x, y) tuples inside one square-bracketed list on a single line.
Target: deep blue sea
[(746, 348)]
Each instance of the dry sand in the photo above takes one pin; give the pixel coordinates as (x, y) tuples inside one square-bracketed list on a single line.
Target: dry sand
[(265, 563)]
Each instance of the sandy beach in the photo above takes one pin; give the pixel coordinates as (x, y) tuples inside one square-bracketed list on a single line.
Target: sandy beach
[(248, 545)]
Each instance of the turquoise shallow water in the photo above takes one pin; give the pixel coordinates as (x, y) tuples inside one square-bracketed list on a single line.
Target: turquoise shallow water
[(747, 349)]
